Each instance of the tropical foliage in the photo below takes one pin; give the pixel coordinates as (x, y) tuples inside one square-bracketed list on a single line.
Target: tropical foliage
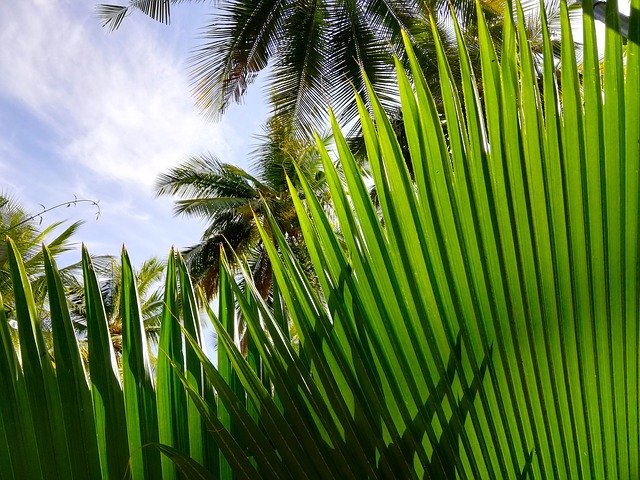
[(26, 231), (148, 277), (232, 202), (486, 327), (316, 52)]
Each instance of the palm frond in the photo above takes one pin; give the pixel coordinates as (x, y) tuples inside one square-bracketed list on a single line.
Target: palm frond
[(280, 148), (236, 46), (204, 176), (473, 304), (159, 10), (355, 47), (111, 16), (28, 236), (211, 208), (236, 234), (481, 323), (298, 79)]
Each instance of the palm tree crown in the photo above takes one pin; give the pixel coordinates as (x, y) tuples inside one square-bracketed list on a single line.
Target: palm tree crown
[(232, 200), (26, 232), (316, 49), (109, 275)]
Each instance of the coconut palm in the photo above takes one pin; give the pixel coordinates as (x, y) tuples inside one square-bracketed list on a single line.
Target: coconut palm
[(109, 274), (27, 233), (488, 328), (318, 51), (232, 201)]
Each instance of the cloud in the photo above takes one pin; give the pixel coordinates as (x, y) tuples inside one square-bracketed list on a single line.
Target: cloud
[(117, 103), (97, 114)]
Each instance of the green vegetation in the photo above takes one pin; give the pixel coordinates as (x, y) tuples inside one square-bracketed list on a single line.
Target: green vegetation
[(318, 52), (231, 202), (485, 325), (108, 270), (26, 231)]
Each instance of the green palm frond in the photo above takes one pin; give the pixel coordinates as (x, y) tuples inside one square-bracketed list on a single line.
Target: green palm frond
[(211, 208), (280, 149), (298, 84), (353, 47), (481, 321), (235, 233), (28, 235), (486, 326), (108, 271), (160, 10), (58, 245), (232, 201), (112, 16)]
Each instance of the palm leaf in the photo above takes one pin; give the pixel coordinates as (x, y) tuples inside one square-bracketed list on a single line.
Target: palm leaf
[(39, 374), (18, 439), (139, 393), (71, 376), (112, 16), (472, 316), (106, 388), (173, 430), (236, 47), (481, 323)]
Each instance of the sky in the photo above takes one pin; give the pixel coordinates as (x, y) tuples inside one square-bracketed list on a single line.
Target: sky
[(98, 115), (94, 114)]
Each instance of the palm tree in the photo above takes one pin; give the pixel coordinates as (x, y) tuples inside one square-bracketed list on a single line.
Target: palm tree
[(318, 51), (488, 328), (232, 201), (28, 235), (109, 274)]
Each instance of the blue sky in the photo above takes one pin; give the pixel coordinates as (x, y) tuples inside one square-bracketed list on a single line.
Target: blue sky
[(98, 114)]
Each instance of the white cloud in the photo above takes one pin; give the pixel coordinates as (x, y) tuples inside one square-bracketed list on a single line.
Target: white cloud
[(119, 103), (97, 114)]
